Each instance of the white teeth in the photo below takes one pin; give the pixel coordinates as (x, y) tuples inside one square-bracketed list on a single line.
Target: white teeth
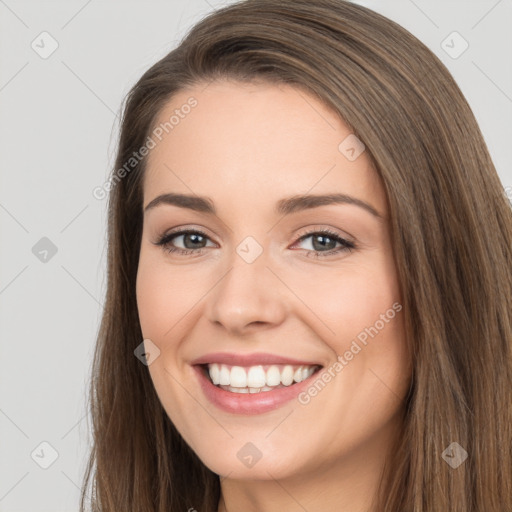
[(238, 390), (255, 379), (238, 377), (224, 376), (273, 376), (215, 373), (287, 375)]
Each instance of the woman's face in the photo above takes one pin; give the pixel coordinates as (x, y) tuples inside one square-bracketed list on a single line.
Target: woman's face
[(300, 329)]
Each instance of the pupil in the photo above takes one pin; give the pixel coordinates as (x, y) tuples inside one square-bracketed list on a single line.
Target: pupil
[(322, 245), (194, 236)]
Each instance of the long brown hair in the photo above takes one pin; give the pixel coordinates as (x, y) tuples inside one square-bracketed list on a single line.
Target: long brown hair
[(451, 229)]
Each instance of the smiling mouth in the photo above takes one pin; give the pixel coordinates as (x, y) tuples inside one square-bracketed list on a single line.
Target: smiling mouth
[(258, 378)]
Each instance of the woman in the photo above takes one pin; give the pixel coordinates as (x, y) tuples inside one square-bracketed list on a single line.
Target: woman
[(309, 289)]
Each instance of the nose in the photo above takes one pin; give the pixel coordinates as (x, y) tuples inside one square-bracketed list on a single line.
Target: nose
[(247, 296)]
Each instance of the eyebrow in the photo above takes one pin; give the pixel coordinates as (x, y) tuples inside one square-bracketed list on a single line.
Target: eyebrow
[(283, 207)]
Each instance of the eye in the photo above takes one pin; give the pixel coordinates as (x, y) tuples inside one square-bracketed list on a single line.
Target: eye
[(326, 239), (195, 241), (193, 238)]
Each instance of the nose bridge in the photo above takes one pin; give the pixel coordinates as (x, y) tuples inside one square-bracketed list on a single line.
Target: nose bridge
[(247, 292)]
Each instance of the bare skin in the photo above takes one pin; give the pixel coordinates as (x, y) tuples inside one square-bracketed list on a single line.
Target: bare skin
[(246, 147)]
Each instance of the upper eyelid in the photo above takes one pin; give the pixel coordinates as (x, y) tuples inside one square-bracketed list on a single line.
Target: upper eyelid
[(334, 231)]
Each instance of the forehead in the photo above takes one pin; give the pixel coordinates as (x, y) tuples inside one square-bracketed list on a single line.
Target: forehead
[(246, 145)]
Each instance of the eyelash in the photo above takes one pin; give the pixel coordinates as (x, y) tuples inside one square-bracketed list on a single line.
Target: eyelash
[(165, 240)]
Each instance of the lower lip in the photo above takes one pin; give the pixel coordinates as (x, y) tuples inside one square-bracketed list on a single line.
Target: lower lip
[(250, 403)]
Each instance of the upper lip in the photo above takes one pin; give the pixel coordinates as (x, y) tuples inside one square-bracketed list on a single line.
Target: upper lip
[(259, 358)]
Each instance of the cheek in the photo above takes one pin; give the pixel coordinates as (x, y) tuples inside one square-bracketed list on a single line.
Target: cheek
[(351, 298), (164, 295), (359, 315), (152, 293), (163, 299)]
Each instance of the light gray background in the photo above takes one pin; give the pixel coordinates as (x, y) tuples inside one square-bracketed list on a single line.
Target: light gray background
[(58, 131)]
